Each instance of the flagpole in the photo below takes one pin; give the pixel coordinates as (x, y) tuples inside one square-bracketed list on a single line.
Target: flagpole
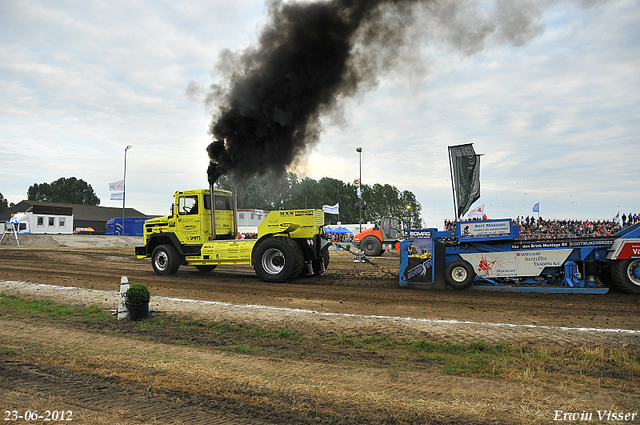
[(359, 150), (453, 187), (124, 183)]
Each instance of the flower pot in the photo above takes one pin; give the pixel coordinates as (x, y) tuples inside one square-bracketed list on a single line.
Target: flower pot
[(138, 311)]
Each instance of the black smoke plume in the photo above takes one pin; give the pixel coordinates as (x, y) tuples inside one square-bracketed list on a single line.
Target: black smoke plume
[(311, 55)]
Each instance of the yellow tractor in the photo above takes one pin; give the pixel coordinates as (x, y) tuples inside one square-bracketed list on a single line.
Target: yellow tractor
[(289, 244)]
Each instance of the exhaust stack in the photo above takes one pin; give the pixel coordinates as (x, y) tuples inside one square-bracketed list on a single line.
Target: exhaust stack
[(235, 214), (213, 214)]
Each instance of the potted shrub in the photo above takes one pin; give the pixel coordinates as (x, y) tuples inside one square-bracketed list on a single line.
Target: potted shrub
[(137, 299)]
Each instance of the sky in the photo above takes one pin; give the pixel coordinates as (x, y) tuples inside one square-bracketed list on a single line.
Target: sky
[(556, 117)]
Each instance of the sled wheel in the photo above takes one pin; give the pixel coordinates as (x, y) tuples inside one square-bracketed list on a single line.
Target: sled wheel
[(459, 274), (165, 260), (278, 259)]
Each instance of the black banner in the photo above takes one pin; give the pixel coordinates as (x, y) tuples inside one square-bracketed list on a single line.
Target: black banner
[(465, 165)]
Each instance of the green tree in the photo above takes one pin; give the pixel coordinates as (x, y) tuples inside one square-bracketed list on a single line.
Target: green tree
[(412, 209), (334, 191), (304, 194), (266, 192), (64, 191), (387, 200), (272, 192), (4, 204)]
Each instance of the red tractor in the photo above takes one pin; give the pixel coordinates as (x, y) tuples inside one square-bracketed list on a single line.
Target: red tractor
[(375, 241)]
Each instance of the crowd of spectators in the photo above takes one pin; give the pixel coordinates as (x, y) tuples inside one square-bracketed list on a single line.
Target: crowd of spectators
[(343, 237), (532, 228)]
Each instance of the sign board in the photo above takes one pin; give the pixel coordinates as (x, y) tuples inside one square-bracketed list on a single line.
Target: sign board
[(416, 257), (484, 230), (516, 263)]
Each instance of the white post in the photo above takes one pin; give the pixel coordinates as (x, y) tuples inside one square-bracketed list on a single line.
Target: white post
[(122, 306)]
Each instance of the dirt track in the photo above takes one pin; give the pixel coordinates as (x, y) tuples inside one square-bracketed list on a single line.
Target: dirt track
[(350, 298), (347, 287)]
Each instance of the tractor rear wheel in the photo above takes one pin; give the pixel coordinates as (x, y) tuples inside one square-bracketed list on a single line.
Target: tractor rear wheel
[(278, 259), (371, 246), (626, 275), (459, 274)]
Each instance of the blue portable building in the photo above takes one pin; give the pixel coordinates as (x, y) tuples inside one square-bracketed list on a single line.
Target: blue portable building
[(133, 226)]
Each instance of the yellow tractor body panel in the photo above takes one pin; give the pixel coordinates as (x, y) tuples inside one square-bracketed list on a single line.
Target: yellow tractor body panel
[(290, 223), (224, 252), (295, 223)]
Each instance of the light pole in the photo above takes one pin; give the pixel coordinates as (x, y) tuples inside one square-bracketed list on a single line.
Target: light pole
[(124, 185), (359, 150)]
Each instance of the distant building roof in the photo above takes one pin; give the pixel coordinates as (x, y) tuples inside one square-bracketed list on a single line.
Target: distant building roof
[(80, 212)]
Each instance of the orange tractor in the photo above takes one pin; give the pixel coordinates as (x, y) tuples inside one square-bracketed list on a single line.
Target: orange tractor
[(386, 236)]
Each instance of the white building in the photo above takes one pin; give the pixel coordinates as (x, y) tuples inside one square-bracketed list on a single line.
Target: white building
[(44, 220), (250, 219)]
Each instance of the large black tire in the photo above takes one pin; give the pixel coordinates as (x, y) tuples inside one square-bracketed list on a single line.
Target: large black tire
[(371, 246), (278, 259), (165, 260), (459, 274), (204, 268), (626, 275)]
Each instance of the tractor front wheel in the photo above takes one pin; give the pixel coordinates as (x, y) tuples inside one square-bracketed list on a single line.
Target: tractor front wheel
[(165, 260)]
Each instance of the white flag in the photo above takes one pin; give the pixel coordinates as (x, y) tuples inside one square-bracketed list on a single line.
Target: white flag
[(477, 213), (119, 185), (116, 196), (331, 209)]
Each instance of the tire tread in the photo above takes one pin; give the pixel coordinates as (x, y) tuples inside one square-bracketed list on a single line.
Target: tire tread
[(620, 278)]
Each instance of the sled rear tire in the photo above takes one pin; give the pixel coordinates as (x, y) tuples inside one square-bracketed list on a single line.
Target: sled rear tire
[(459, 274)]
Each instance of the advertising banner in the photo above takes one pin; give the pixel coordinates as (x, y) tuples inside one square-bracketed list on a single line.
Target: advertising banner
[(416, 262), (515, 263), (484, 229), (630, 250)]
